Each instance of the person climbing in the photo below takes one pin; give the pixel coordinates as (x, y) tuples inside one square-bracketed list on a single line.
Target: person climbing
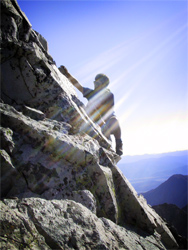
[(100, 107)]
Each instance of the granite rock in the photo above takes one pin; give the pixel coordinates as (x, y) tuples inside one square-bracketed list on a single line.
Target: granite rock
[(65, 224)]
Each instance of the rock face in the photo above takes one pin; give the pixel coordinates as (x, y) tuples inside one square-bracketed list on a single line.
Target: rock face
[(61, 188), (175, 217), (177, 221)]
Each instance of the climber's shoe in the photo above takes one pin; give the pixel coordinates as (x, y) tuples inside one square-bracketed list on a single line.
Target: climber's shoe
[(119, 147)]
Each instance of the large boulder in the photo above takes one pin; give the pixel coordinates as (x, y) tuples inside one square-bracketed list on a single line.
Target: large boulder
[(36, 223)]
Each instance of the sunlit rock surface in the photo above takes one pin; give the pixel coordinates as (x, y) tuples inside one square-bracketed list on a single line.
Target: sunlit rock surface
[(61, 188), (65, 224)]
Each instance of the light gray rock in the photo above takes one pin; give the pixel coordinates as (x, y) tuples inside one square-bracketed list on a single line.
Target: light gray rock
[(48, 157), (6, 139), (11, 178), (67, 225), (42, 41), (18, 231), (85, 197), (51, 160), (31, 112), (8, 173), (15, 24)]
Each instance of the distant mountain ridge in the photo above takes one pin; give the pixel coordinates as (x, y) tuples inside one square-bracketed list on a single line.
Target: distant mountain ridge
[(146, 172), (172, 191)]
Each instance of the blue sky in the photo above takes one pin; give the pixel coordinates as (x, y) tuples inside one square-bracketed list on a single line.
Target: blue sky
[(141, 46)]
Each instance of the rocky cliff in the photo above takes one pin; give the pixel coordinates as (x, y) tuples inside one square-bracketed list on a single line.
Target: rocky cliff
[(60, 186), (174, 216)]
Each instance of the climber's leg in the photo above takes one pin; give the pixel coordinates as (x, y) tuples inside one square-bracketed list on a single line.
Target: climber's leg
[(114, 129)]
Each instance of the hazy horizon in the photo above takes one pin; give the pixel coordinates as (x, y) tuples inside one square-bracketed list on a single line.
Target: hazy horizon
[(169, 152)]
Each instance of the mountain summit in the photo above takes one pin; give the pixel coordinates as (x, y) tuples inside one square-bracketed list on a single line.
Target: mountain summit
[(61, 188), (172, 191)]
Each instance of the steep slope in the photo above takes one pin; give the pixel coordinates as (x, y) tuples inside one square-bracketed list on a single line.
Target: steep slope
[(172, 191), (61, 188), (177, 221), (174, 216)]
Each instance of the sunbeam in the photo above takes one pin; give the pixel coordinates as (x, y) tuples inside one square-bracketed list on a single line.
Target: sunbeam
[(142, 47)]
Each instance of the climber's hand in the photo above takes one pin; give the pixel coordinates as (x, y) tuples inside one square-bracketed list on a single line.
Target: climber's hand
[(63, 70)]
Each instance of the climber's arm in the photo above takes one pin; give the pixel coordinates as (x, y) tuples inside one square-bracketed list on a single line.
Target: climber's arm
[(65, 72)]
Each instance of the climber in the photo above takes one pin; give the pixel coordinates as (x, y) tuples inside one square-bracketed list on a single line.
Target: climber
[(100, 106)]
